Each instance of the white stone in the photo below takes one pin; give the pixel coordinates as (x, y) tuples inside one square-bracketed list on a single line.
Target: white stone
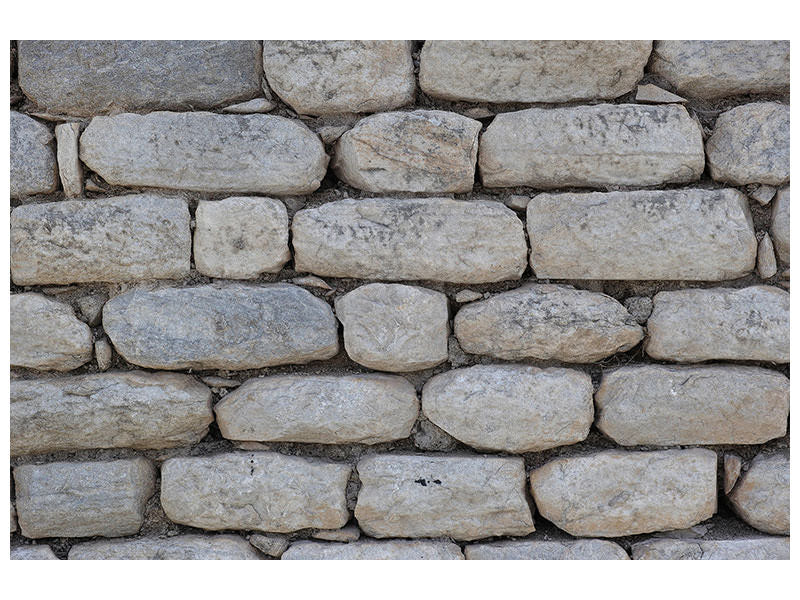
[(767, 265), (70, 169), (256, 105), (732, 468)]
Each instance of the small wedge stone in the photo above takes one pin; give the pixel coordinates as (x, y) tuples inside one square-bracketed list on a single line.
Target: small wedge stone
[(763, 194), (70, 169), (102, 352), (351, 533), (767, 265), (271, 544), (732, 468), (652, 94), (256, 105), (780, 225)]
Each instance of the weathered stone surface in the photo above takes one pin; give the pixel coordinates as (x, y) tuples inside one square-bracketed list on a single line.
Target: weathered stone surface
[(32, 160), (82, 499), (91, 307), (640, 308), (394, 327), (750, 144), (766, 548), (591, 146), (767, 265), (102, 352), (85, 78), (780, 224), (547, 322), (351, 533), (320, 409), (205, 152), (232, 326), (677, 405), (531, 71), (375, 550), (652, 94), (141, 236), (720, 323), (615, 493), (326, 77), (464, 296), (256, 105), (13, 518), (511, 408), (421, 151), (731, 469), (761, 496), (687, 234), (265, 491), (240, 238), (271, 544), (181, 547), (763, 194), (40, 552), (421, 238), (463, 497), (70, 169), (546, 550), (130, 409), (713, 69), (46, 334)]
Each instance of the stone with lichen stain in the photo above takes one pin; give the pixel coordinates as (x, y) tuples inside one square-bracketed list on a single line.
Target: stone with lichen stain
[(780, 224), (759, 548), (181, 547), (546, 550), (375, 550), (32, 160), (761, 496)]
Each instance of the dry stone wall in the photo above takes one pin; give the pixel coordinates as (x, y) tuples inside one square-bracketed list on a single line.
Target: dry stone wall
[(399, 300)]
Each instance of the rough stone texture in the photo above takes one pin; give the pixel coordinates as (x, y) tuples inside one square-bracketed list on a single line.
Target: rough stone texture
[(394, 327), (231, 326), (46, 334), (256, 105), (616, 493), (677, 405), (766, 548), (40, 552), (546, 550), (70, 169), (32, 160), (271, 544), (763, 194), (430, 438), (640, 308), (131, 409), (429, 151), (375, 550), (780, 224), (91, 308), (240, 238), (719, 68), (102, 352), (652, 94), (82, 499), (591, 146), (205, 152), (13, 518), (462, 497), (761, 496), (86, 78), (511, 408), (320, 409), (720, 323), (181, 547), (422, 238), (767, 266), (327, 77), (140, 236), (531, 71), (750, 144), (264, 491), (547, 322), (351, 533), (731, 469), (465, 296)]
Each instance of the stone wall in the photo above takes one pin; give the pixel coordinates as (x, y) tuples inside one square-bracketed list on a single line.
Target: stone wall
[(400, 300)]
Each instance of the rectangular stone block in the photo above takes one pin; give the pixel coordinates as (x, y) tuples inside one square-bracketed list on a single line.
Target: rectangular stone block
[(32, 161), (375, 550), (180, 547), (546, 550), (763, 548)]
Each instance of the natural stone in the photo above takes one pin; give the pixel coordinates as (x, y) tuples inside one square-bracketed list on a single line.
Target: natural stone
[(464, 296), (375, 550), (13, 518), (331, 133), (767, 266), (546, 550), (640, 308), (180, 547), (102, 352), (764, 548), (69, 165), (351, 533), (271, 544), (761, 497), (220, 382), (40, 552), (652, 94), (763, 194), (312, 281), (780, 224), (32, 160), (256, 105), (732, 468), (518, 203), (430, 438), (91, 308)]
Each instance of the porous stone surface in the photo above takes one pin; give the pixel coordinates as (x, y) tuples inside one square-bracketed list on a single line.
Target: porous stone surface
[(640, 308), (38, 552), (731, 469), (102, 353), (351, 533), (511, 408), (686, 405), (592, 146), (531, 71), (180, 547), (394, 327), (320, 409), (70, 169), (763, 194), (546, 550), (271, 544), (140, 236), (46, 334), (652, 94), (205, 152), (130, 409), (720, 323), (780, 224), (615, 493), (375, 550), (546, 321), (410, 239), (767, 265), (82, 499), (326, 77), (228, 326), (32, 159), (462, 497), (761, 496), (763, 548)]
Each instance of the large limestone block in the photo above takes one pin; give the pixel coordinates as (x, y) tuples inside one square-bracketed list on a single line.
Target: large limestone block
[(592, 146), (131, 409), (763, 548), (409, 239), (780, 224), (546, 322), (616, 493), (682, 234), (233, 326), (394, 327), (320, 77), (82, 499), (511, 408), (546, 550), (673, 406), (140, 236), (38, 552), (531, 71), (265, 491), (720, 323), (320, 409), (761, 496), (462, 497), (750, 144), (31, 159), (181, 547), (421, 151), (205, 152), (374, 550), (46, 334)]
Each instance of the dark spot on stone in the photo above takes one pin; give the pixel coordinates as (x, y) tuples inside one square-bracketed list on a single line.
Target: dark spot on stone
[(422, 482)]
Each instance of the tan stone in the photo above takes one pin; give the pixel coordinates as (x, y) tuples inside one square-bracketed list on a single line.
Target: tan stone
[(350, 533), (271, 544), (102, 352), (764, 548), (780, 224), (546, 550), (375, 550), (761, 496), (256, 105), (767, 266), (181, 547), (763, 194), (652, 94), (32, 162), (70, 169), (731, 469)]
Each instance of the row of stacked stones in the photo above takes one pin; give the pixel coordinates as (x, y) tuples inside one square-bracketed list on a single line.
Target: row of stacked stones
[(179, 229)]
